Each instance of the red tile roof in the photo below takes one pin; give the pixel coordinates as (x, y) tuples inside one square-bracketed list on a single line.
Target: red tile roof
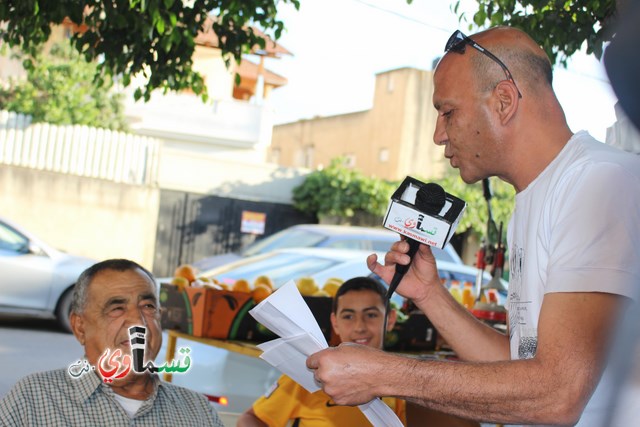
[(249, 70), (208, 37)]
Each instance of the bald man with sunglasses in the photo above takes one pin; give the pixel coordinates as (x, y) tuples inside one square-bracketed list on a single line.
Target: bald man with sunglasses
[(573, 245)]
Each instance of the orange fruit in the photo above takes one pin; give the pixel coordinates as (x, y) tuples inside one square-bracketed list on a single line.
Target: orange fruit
[(241, 285), (307, 286), (260, 292), (336, 280), (180, 283), (263, 280), (331, 288), (321, 293), (187, 271)]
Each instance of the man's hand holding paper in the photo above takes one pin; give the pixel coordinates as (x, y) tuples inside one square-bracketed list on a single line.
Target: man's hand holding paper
[(341, 379)]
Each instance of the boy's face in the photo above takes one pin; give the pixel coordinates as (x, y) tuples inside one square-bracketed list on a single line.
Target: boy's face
[(359, 318)]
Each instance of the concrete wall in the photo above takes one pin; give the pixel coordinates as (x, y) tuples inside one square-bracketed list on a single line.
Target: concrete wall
[(194, 172), (418, 154), (85, 216), (219, 80)]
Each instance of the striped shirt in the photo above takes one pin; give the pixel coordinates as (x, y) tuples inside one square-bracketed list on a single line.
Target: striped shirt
[(54, 399)]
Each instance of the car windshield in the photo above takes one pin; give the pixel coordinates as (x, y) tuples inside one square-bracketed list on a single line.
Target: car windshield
[(279, 267), (291, 238), (11, 240), (442, 255)]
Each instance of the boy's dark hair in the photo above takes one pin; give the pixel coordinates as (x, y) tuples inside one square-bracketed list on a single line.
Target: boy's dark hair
[(359, 284)]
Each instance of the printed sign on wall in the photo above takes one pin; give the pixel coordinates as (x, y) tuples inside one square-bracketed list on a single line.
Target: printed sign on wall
[(253, 222)]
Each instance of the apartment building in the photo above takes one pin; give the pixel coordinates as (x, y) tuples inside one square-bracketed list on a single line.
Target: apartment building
[(391, 140)]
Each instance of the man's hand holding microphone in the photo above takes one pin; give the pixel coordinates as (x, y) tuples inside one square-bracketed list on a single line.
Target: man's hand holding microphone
[(421, 276)]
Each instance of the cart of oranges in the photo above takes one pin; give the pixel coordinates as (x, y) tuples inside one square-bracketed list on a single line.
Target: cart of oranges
[(187, 275)]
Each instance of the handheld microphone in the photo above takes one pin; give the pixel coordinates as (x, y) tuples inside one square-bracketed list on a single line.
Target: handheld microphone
[(430, 200)]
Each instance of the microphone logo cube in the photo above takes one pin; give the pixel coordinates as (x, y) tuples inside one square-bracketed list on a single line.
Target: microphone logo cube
[(424, 212)]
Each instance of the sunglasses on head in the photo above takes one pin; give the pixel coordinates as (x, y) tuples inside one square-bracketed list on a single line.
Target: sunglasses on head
[(458, 42)]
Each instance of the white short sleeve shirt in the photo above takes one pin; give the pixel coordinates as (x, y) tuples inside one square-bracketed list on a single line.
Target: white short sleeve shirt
[(575, 228)]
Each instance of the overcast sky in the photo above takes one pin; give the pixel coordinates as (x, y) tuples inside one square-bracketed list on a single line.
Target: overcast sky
[(339, 45)]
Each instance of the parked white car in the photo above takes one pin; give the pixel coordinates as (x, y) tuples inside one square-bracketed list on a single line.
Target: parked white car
[(36, 279), (374, 239)]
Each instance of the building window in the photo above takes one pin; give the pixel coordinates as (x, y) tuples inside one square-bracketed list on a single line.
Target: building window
[(383, 155)]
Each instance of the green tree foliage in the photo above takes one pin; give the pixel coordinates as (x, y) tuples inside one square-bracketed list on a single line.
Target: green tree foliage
[(559, 26), (59, 89), (476, 215), (154, 37), (341, 191)]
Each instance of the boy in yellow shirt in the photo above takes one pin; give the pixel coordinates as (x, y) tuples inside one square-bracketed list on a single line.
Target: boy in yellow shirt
[(357, 316)]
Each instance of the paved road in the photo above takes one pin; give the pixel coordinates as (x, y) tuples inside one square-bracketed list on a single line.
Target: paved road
[(28, 346)]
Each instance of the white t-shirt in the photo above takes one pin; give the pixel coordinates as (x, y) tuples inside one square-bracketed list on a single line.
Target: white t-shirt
[(130, 406), (575, 228)]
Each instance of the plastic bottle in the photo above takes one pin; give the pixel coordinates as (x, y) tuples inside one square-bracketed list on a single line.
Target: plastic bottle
[(454, 290), (468, 298)]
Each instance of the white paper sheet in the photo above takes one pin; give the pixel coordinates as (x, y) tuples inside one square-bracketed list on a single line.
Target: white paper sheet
[(285, 355), (285, 313)]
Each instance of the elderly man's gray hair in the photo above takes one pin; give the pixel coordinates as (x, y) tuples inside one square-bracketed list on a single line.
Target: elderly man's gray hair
[(79, 300)]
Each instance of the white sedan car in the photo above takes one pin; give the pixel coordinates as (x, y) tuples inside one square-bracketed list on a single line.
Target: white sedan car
[(36, 279), (323, 236)]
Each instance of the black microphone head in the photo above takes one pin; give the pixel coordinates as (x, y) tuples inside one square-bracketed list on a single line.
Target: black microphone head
[(430, 198)]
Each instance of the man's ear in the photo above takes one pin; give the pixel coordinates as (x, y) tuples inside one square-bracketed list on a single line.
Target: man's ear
[(391, 319), (77, 326), (508, 100), (334, 324)]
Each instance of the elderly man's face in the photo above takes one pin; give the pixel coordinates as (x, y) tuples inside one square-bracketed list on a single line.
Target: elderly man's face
[(117, 300)]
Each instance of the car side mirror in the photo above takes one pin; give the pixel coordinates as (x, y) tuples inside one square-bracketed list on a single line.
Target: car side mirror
[(34, 249)]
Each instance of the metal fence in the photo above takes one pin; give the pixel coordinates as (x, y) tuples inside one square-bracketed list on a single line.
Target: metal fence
[(78, 150)]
